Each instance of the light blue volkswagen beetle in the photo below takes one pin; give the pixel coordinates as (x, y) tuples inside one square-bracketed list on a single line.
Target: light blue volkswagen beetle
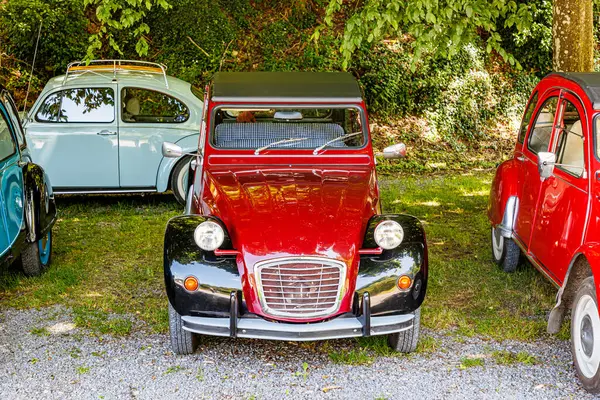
[(100, 127)]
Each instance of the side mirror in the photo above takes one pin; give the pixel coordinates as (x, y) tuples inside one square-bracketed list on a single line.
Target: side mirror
[(395, 151), (546, 162), (171, 150)]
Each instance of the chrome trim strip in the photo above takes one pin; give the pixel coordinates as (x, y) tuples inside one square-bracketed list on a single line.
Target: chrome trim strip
[(258, 328), (281, 262), (107, 191)]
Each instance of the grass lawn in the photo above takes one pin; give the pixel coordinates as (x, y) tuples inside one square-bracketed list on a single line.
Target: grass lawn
[(107, 261)]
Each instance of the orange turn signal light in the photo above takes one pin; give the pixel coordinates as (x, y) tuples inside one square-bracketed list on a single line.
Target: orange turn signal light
[(404, 282), (191, 283)]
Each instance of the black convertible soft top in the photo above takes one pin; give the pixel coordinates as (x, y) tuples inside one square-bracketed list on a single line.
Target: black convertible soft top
[(589, 82), (285, 87)]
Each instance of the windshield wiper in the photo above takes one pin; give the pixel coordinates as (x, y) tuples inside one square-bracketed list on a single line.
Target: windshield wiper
[(283, 141), (346, 136)]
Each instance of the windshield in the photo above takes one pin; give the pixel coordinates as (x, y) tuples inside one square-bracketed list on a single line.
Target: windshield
[(278, 127)]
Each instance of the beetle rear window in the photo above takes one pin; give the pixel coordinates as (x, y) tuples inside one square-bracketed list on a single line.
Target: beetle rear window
[(285, 128)]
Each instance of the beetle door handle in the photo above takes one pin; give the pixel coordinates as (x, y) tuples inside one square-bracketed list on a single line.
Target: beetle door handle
[(520, 158), (106, 132)]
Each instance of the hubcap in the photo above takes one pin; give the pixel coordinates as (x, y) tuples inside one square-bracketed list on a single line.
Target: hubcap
[(497, 243), (587, 336), (586, 325)]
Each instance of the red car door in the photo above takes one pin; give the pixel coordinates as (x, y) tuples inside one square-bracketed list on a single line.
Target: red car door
[(529, 179), (562, 212)]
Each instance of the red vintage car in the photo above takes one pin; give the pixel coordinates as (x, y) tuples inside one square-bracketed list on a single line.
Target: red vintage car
[(283, 236), (545, 204)]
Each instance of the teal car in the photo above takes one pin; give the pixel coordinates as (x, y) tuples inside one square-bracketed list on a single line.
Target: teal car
[(100, 127), (27, 207)]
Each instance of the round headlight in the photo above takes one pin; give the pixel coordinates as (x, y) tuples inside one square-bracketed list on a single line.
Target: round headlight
[(388, 234), (209, 236)]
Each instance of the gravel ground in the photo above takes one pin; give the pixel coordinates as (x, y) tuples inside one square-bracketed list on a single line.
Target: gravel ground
[(71, 363)]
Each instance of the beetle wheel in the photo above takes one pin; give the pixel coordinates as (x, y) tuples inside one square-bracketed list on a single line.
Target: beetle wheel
[(179, 179)]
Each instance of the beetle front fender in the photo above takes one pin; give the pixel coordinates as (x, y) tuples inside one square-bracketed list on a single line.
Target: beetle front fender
[(504, 187), (189, 144), (40, 206)]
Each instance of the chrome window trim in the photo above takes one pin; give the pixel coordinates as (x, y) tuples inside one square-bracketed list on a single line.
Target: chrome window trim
[(259, 266)]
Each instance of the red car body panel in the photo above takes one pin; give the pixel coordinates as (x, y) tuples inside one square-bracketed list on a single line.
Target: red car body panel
[(273, 203), (558, 219)]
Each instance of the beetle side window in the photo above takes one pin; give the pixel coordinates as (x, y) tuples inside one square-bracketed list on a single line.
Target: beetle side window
[(78, 105), (7, 144), (570, 149), (87, 105), (539, 139), (527, 118), (150, 106)]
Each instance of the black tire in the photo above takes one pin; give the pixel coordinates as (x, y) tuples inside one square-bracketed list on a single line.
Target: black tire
[(505, 251), (182, 341), (585, 336), (179, 181), (406, 341), (32, 263)]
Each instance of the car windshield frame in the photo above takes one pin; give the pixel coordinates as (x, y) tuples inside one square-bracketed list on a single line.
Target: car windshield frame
[(279, 106)]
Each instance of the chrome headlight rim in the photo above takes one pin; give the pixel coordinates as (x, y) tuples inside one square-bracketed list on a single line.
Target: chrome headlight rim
[(209, 228), (379, 234)]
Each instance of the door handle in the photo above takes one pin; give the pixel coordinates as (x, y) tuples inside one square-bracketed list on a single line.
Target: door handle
[(520, 158), (106, 132)]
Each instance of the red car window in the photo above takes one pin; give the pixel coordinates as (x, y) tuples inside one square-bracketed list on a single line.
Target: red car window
[(570, 148), (527, 117), (539, 139)]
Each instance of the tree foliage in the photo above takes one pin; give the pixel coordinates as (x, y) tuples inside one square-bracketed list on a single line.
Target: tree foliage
[(436, 27), (117, 15)]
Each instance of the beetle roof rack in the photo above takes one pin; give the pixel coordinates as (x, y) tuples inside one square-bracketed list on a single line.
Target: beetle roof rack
[(115, 66)]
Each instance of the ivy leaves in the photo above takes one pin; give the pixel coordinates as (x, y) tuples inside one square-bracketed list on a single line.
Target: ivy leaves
[(434, 27), (117, 15)]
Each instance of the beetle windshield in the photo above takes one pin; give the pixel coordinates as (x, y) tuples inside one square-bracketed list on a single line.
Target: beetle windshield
[(274, 127)]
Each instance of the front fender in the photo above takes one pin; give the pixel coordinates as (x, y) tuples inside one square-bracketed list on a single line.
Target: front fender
[(40, 206), (378, 274), (504, 187), (217, 276), (189, 144)]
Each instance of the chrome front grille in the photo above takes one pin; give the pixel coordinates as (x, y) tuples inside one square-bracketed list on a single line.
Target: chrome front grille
[(301, 287)]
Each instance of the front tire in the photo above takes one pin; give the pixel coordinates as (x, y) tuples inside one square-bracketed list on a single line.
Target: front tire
[(36, 257), (406, 341), (505, 251), (179, 179), (182, 341), (585, 336)]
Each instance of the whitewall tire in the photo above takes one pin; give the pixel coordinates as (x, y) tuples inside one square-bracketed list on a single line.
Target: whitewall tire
[(585, 336)]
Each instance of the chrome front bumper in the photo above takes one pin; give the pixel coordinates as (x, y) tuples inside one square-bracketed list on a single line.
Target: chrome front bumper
[(258, 328)]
